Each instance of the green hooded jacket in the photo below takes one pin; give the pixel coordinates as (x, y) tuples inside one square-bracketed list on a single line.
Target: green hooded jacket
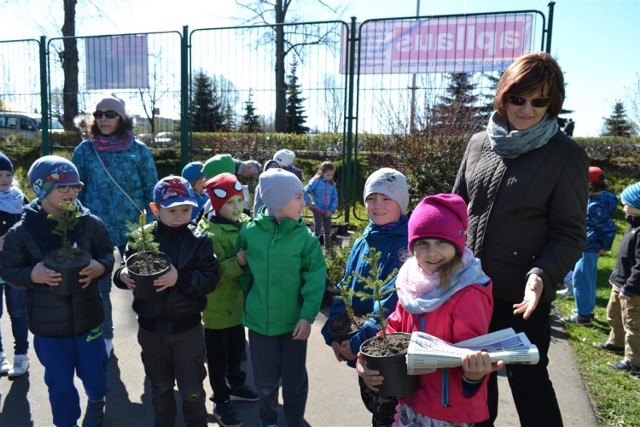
[(286, 277)]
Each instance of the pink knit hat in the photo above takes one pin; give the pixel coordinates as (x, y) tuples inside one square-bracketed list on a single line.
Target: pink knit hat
[(441, 216)]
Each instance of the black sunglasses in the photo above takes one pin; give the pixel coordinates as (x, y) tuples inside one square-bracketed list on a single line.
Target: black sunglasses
[(110, 114), (540, 102)]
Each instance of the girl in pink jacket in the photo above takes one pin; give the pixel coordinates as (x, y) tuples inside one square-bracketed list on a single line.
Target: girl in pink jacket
[(442, 291)]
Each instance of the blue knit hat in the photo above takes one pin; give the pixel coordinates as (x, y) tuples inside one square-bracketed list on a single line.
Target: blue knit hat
[(48, 172), (631, 195), (173, 191), (193, 171), (5, 163)]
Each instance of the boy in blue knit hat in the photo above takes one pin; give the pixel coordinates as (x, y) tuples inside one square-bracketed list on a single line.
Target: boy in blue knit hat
[(192, 172), (623, 309), (66, 328)]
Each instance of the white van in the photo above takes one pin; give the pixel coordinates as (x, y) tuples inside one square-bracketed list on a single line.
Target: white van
[(15, 125)]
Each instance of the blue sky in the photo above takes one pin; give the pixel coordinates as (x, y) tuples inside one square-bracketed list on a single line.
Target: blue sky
[(596, 42)]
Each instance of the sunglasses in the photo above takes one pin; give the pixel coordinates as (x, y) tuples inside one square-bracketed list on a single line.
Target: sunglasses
[(109, 114), (540, 102), (66, 188)]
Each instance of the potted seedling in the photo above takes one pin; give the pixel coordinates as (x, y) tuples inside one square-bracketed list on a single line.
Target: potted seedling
[(346, 324), (147, 263), (68, 260), (385, 352)]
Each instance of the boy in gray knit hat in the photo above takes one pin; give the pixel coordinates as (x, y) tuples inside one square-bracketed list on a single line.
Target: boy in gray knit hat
[(286, 270)]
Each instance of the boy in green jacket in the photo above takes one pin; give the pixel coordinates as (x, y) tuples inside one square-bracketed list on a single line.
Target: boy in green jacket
[(223, 329), (285, 283)]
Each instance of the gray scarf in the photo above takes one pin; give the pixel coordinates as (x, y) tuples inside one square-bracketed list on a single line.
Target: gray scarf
[(510, 145)]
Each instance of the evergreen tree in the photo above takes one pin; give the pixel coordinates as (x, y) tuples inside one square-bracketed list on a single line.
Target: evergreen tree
[(458, 111), (618, 124), (206, 105), (295, 111), (250, 120)]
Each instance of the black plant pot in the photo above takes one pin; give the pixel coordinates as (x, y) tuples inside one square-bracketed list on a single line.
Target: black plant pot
[(145, 271), (342, 328), (393, 368), (68, 264)]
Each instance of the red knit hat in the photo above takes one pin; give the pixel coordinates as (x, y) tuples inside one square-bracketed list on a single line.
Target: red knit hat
[(441, 216), (596, 176), (221, 188)]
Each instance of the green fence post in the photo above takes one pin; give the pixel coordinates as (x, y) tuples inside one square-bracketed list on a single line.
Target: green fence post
[(44, 97), (185, 119), (347, 146)]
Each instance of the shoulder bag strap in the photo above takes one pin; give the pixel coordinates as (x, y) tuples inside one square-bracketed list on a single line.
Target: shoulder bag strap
[(113, 179)]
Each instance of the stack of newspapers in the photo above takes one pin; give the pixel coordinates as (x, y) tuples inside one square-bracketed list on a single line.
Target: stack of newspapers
[(427, 353)]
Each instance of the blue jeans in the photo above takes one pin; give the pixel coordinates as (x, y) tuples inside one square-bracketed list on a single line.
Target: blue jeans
[(17, 313), (278, 359), (585, 274), (62, 358)]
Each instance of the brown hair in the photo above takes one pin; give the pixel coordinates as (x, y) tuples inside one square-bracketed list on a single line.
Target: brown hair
[(324, 167), (125, 124), (528, 74)]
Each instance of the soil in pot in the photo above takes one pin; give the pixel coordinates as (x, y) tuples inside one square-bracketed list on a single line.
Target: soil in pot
[(391, 362), (342, 328), (144, 268), (68, 263)]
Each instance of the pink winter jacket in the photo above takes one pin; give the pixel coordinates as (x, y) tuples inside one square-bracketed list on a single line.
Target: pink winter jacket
[(465, 315)]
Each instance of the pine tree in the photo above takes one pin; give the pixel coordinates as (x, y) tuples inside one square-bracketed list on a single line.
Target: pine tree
[(250, 120), (618, 124), (458, 111), (206, 105), (295, 111)]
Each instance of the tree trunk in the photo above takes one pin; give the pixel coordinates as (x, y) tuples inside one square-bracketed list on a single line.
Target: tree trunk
[(70, 65), (281, 85)]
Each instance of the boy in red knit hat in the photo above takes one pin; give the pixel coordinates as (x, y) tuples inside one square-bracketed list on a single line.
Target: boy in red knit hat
[(442, 291)]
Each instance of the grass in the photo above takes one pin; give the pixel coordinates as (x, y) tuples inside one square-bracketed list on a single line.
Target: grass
[(615, 395)]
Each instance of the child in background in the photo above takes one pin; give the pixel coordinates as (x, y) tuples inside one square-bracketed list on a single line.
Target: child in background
[(442, 291), (601, 230), (12, 203), (322, 198), (285, 159), (284, 283), (192, 172), (170, 326), (66, 328), (223, 330), (257, 200), (386, 198), (623, 309)]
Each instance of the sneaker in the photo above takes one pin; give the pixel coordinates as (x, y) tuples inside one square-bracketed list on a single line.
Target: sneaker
[(243, 392), (578, 319), (20, 366), (226, 415), (608, 346), (94, 415), (567, 293), (108, 345), (5, 366), (625, 365)]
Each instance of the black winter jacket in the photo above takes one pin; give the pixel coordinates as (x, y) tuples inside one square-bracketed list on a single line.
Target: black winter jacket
[(526, 215), (626, 276), (178, 308), (49, 314)]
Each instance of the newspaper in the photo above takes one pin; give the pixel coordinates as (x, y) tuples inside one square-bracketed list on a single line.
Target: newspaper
[(427, 353)]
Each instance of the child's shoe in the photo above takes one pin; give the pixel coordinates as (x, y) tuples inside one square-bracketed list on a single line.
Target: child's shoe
[(94, 416), (20, 366), (578, 319), (226, 415), (5, 366), (243, 392)]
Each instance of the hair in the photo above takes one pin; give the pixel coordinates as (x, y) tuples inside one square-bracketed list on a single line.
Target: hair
[(125, 125), (447, 270), (324, 167), (528, 74), (594, 187)]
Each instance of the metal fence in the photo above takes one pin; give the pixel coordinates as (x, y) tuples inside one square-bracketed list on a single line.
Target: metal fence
[(379, 77)]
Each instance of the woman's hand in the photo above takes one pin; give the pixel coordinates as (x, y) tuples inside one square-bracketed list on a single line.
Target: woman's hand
[(371, 377), (532, 294), (90, 272), (302, 330), (476, 365)]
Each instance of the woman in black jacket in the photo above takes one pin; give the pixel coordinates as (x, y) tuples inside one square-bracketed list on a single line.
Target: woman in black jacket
[(526, 184)]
